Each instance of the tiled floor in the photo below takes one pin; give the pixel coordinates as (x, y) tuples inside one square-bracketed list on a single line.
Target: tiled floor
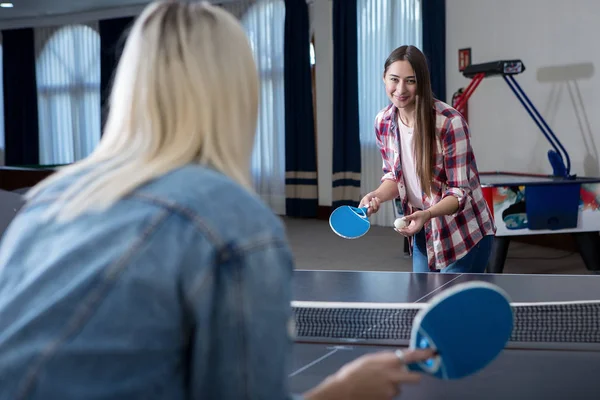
[(316, 247)]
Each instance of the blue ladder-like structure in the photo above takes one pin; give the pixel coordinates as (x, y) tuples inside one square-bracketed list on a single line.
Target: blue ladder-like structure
[(558, 156)]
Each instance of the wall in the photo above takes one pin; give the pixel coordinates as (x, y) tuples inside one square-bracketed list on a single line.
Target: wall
[(543, 34)]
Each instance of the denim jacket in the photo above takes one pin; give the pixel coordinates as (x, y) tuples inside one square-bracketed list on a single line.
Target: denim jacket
[(179, 291)]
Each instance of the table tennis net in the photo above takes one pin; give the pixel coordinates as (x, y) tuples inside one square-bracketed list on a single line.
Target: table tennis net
[(573, 322)]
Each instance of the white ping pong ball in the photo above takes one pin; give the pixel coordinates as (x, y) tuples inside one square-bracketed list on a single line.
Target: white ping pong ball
[(400, 223)]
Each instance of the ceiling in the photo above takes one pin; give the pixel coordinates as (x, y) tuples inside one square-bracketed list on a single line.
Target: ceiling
[(31, 13), (46, 8)]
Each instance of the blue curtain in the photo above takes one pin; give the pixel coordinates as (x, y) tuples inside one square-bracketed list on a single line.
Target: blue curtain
[(300, 143), (346, 133), (113, 33), (434, 44), (21, 129)]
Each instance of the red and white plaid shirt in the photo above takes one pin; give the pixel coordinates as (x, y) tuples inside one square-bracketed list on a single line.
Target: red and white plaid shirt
[(449, 237)]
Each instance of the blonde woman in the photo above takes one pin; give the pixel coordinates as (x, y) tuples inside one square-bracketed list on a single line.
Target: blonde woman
[(149, 270)]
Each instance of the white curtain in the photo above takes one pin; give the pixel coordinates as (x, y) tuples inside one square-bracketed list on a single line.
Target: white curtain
[(264, 21), (68, 85), (383, 25)]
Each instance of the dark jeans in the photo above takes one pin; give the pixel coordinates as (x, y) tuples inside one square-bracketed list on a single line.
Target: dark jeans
[(474, 262)]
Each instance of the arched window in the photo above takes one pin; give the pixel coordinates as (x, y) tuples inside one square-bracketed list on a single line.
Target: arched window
[(264, 25), (68, 85)]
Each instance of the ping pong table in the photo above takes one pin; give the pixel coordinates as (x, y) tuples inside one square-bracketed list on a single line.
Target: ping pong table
[(555, 354)]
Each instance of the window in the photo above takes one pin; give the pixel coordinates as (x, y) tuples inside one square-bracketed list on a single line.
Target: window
[(68, 84), (264, 25), (383, 25)]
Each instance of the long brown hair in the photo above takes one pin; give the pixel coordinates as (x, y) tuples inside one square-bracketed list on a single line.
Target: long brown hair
[(424, 130)]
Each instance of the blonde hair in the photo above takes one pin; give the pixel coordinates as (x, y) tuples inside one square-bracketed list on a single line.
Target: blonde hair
[(185, 91)]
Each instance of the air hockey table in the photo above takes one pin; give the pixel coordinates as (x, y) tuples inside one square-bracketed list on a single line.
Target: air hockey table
[(552, 355), (531, 204)]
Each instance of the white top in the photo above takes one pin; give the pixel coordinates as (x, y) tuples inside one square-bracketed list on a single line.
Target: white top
[(409, 170)]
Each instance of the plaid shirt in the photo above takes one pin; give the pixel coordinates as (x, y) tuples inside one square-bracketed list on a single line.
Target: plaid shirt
[(449, 237)]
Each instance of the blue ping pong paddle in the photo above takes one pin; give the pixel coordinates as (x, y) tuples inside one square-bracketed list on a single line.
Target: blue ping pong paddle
[(349, 222), (468, 326)]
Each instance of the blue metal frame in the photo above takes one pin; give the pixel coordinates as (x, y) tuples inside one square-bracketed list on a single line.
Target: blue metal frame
[(556, 158)]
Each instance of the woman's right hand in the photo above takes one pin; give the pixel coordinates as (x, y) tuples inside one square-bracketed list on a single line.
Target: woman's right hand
[(372, 201), (373, 376)]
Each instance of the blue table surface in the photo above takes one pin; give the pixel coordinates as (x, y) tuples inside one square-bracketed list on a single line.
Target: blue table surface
[(518, 373)]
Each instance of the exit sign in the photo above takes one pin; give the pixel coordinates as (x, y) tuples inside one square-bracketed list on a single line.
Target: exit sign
[(464, 59)]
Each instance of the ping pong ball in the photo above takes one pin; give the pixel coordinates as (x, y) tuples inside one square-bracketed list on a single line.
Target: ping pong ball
[(400, 223)]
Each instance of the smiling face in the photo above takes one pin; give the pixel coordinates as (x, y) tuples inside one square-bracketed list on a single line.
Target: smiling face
[(401, 85)]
